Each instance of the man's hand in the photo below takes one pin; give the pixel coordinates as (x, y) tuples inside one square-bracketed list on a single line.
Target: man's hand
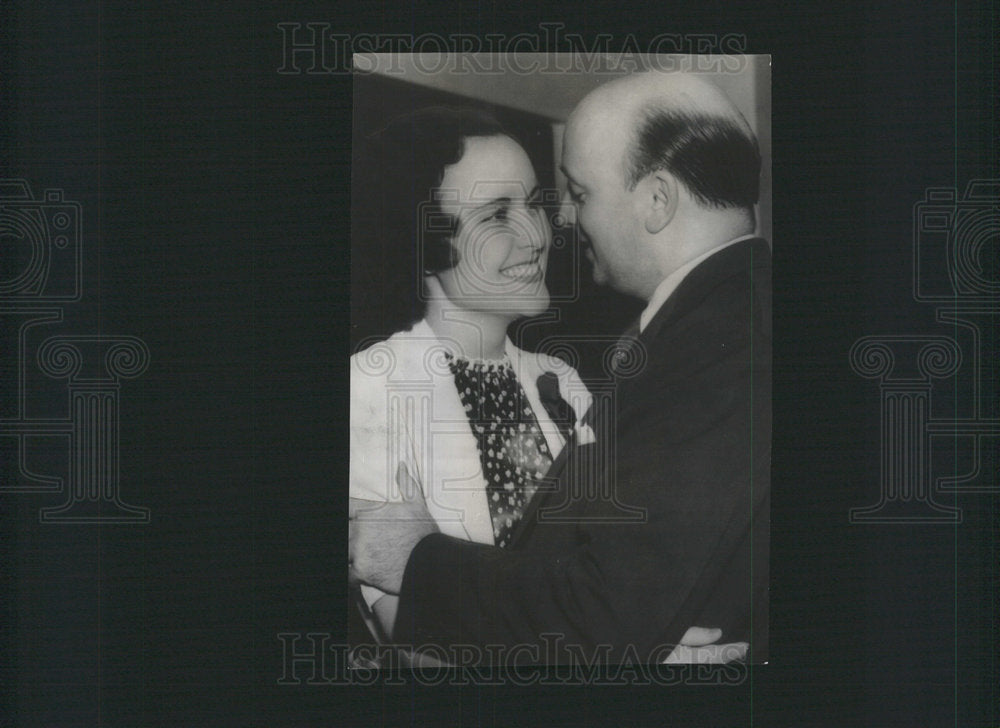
[(382, 535), (698, 645)]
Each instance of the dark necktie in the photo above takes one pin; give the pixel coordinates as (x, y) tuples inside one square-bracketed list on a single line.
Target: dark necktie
[(626, 356)]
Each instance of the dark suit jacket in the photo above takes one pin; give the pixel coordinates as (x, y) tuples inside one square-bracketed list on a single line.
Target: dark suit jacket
[(660, 525)]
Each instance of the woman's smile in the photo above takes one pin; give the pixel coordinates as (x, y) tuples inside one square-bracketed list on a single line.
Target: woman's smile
[(529, 271)]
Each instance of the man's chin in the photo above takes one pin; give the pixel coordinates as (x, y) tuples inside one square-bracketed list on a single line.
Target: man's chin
[(600, 277)]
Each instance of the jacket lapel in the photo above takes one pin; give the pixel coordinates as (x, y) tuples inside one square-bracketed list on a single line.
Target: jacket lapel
[(528, 369), (445, 447)]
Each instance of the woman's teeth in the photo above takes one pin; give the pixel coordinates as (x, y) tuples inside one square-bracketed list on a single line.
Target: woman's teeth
[(522, 271)]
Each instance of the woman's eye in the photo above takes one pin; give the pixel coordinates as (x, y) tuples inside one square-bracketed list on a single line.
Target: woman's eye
[(500, 214)]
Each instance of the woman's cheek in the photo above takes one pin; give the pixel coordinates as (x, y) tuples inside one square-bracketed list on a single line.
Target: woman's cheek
[(497, 252)]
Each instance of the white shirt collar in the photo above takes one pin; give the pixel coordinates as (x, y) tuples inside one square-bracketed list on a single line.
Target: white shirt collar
[(423, 333), (670, 283)]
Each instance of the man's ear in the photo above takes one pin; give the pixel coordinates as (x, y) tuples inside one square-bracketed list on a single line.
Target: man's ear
[(660, 200)]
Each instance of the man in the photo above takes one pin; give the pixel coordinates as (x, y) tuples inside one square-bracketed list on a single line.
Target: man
[(668, 209)]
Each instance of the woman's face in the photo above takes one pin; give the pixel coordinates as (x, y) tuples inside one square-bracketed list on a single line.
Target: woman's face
[(502, 239)]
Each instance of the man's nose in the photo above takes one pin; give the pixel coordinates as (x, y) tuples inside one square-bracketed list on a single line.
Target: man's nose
[(566, 218), (566, 214)]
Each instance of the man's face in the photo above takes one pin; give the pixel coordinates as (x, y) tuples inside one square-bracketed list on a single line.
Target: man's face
[(605, 209), (502, 239)]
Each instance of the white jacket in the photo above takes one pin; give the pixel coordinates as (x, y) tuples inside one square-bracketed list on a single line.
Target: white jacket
[(405, 408)]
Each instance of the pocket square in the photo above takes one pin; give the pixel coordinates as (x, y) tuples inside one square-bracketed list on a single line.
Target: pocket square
[(584, 434)]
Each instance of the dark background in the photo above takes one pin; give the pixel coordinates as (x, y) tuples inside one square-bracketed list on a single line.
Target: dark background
[(216, 202)]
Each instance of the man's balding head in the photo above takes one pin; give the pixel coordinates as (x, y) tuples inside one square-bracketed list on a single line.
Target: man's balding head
[(685, 162), (677, 122)]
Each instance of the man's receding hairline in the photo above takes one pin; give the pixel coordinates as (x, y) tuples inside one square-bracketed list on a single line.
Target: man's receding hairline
[(633, 100), (669, 91)]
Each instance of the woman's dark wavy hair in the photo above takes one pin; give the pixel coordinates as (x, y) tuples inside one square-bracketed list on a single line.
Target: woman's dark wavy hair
[(405, 165)]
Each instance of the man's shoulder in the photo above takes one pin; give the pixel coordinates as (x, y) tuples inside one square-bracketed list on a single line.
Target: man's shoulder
[(734, 266), (716, 314), (727, 282)]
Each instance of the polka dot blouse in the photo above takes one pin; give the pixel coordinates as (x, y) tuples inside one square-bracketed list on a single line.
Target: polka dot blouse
[(512, 448)]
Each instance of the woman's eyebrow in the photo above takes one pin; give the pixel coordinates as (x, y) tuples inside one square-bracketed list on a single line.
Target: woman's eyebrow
[(474, 209), (502, 201), (495, 202)]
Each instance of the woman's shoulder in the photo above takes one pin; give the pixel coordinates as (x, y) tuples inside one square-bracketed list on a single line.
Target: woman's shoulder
[(380, 358)]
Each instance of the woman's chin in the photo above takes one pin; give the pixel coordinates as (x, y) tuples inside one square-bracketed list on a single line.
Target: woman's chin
[(535, 305), (515, 307)]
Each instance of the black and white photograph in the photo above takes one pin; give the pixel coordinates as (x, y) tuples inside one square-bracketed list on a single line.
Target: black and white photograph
[(529, 468), (499, 364)]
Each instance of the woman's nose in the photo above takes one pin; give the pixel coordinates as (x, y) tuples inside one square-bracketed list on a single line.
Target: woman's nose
[(535, 232)]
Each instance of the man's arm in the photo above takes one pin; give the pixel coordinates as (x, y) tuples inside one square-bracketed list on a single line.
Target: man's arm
[(698, 645), (692, 449), (621, 584)]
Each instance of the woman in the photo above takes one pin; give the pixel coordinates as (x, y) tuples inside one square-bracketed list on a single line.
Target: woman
[(475, 419)]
